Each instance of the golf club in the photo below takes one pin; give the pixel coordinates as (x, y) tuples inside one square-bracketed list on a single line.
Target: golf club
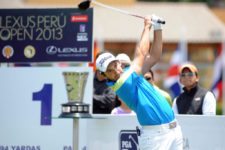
[(86, 4)]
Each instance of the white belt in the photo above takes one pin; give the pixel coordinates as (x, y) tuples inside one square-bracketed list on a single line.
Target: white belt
[(170, 125)]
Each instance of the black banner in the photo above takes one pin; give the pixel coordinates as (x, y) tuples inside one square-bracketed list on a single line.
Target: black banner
[(46, 35)]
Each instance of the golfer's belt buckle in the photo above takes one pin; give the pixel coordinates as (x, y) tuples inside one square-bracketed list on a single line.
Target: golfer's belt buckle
[(172, 125)]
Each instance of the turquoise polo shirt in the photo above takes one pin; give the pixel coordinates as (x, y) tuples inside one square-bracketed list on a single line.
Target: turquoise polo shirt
[(149, 105)]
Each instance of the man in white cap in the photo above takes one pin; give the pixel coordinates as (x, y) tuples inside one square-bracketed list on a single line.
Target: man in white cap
[(124, 60), (160, 129)]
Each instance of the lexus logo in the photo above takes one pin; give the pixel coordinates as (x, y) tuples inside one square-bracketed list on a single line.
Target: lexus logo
[(51, 50)]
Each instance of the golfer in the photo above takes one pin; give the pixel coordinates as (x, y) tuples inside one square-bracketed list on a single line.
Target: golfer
[(160, 130)]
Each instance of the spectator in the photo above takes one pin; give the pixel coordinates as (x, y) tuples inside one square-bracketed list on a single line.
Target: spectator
[(194, 99), (124, 60), (149, 76), (104, 99), (122, 108)]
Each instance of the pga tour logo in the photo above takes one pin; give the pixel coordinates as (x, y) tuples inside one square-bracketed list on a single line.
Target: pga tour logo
[(82, 35), (128, 140), (82, 28)]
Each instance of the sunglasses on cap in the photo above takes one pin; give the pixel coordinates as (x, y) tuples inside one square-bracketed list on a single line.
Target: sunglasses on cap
[(187, 74)]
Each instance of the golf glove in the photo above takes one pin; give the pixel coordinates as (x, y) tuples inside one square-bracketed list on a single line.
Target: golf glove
[(155, 24)]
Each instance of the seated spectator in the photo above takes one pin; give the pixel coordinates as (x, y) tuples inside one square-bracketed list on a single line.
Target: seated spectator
[(194, 99)]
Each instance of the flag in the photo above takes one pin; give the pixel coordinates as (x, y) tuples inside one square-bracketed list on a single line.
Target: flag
[(217, 78), (172, 80)]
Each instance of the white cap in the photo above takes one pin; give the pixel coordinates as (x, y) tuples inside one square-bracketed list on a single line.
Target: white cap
[(124, 58), (104, 60)]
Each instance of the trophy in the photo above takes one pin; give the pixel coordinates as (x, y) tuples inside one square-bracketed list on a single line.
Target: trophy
[(75, 86)]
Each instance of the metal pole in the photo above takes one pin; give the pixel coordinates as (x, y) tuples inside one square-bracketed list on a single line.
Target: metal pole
[(75, 134)]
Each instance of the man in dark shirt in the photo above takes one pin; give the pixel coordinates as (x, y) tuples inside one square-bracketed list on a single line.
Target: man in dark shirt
[(104, 99), (194, 99)]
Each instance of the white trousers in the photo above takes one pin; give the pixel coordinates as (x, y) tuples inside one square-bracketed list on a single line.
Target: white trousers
[(161, 137)]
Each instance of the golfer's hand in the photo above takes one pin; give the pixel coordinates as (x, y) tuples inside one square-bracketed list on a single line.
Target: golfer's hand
[(148, 22)]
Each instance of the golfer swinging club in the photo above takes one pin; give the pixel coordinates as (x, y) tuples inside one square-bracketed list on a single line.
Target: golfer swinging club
[(160, 130)]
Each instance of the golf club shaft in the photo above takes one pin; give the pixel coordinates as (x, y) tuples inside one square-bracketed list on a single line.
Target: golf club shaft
[(116, 9)]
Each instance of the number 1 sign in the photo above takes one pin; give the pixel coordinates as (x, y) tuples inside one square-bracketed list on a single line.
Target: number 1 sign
[(31, 101)]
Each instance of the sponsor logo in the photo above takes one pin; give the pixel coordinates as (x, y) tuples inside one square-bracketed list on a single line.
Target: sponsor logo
[(82, 28), (79, 18), (128, 140), (52, 50), (197, 99), (102, 61), (82, 37), (7, 51), (29, 51)]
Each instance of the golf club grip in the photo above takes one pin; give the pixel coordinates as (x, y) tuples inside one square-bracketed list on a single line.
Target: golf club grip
[(161, 21)]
